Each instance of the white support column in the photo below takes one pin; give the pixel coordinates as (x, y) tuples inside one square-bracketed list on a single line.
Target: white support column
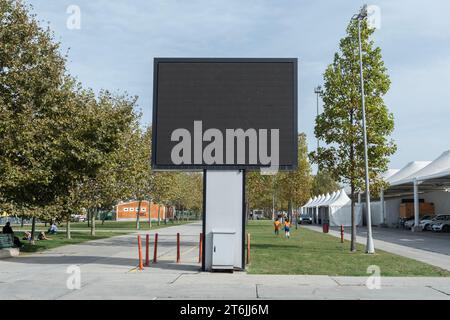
[(224, 210), (317, 215), (416, 207), (383, 207)]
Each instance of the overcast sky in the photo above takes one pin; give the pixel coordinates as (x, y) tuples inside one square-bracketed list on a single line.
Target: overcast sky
[(118, 39)]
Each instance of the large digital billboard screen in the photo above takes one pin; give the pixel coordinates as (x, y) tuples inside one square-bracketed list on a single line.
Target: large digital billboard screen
[(224, 114)]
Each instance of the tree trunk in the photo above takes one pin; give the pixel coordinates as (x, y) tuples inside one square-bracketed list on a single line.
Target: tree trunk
[(89, 217), (353, 238), (166, 210), (290, 210), (150, 215), (138, 216), (33, 229), (21, 222), (93, 216), (68, 235), (159, 215)]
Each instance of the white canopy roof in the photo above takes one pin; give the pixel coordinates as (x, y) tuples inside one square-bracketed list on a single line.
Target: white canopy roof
[(341, 199), (310, 202), (439, 167), (330, 200), (337, 198), (315, 201), (389, 173), (325, 200), (407, 171)]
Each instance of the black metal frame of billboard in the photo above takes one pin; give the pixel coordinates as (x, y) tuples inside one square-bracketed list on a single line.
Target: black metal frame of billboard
[(194, 167)]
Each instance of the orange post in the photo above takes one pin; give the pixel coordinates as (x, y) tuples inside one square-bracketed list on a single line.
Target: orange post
[(140, 252), (147, 245), (342, 233), (200, 248), (155, 250), (178, 248), (248, 248)]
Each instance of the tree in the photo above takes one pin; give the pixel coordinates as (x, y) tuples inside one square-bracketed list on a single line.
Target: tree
[(340, 123), (292, 188), (33, 88), (324, 183), (295, 186)]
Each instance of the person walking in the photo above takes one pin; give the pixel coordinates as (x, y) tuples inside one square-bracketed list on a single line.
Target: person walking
[(287, 228), (277, 225)]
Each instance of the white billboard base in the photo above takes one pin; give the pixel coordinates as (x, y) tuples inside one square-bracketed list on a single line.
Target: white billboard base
[(223, 220)]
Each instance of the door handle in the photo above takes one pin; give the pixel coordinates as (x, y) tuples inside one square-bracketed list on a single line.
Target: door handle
[(214, 248)]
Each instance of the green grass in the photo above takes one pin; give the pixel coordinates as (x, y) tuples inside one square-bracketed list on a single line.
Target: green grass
[(58, 240), (312, 253), (108, 225), (80, 233)]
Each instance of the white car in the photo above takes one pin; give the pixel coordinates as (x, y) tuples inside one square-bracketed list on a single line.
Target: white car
[(425, 224), (411, 223), (439, 219), (442, 225)]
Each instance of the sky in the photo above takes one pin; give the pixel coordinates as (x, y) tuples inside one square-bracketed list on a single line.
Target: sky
[(117, 40)]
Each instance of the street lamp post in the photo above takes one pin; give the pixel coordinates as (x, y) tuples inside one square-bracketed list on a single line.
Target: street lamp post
[(369, 246)]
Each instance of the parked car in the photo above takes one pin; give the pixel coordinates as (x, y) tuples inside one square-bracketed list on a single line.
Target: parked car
[(438, 220), (425, 223), (304, 218), (411, 223), (442, 225)]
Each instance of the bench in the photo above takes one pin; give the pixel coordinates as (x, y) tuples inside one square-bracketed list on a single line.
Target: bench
[(7, 249)]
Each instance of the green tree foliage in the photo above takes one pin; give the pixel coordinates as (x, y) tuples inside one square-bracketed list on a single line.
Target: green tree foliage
[(295, 186), (340, 123), (323, 183), (288, 189)]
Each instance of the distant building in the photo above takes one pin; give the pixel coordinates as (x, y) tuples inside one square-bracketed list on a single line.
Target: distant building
[(126, 211)]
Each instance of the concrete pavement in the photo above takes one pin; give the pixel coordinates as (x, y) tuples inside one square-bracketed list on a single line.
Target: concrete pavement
[(108, 271)]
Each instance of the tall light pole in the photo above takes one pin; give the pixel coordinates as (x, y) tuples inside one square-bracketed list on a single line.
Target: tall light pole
[(318, 91), (369, 246)]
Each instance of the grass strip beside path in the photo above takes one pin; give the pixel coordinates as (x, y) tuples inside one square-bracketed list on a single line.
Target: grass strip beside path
[(80, 233), (313, 253)]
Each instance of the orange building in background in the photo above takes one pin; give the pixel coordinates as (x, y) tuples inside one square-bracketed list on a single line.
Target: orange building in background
[(128, 210)]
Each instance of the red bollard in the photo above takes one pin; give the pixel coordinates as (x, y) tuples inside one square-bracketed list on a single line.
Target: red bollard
[(178, 248), (342, 233), (200, 248), (147, 245), (140, 252), (155, 251), (248, 248)]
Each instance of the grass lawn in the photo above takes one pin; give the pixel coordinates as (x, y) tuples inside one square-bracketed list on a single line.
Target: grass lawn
[(108, 225), (60, 239), (312, 253), (80, 233)]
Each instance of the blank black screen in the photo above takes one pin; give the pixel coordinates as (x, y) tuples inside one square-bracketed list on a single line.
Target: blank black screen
[(224, 94)]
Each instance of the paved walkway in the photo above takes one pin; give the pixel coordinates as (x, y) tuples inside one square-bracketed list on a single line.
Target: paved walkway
[(403, 243), (108, 271)]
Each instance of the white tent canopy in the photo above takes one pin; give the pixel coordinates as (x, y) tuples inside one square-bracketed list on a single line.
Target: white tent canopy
[(334, 208), (324, 200), (407, 171), (340, 211), (389, 173), (439, 166)]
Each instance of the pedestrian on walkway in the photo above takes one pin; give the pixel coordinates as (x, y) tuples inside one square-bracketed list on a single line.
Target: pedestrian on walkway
[(287, 228)]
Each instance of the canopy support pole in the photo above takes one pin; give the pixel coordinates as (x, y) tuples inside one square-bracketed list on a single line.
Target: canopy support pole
[(383, 207), (416, 207)]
